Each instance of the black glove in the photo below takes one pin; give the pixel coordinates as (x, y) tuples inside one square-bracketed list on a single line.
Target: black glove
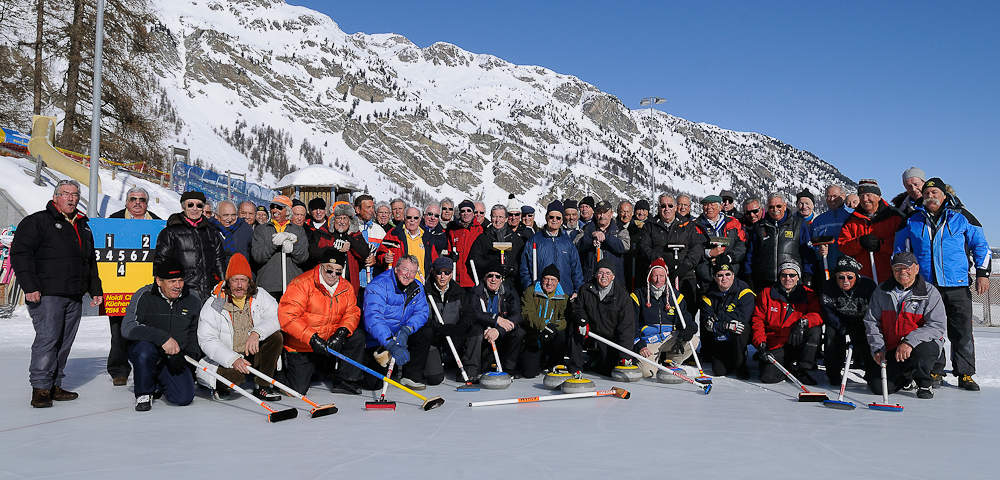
[(807, 280), (798, 332), (318, 345), (678, 347), (685, 335), (549, 333), (869, 242), (762, 348), (509, 271), (177, 361), (336, 341)]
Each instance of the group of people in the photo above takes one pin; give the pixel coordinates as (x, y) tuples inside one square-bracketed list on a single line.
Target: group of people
[(244, 288)]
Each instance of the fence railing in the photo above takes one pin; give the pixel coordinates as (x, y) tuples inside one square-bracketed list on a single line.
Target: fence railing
[(986, 307), (218, 187)]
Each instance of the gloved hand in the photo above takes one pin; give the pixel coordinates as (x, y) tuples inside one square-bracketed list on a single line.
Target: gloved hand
[(287, 246), (336, 341), (318, 344), (735, 326), (582, 327), (278, 238), (762, 348), (711, 324), (403, 335), (687, 334), (177, 361), (549, 333), (398, 352), (869, 242), (798, 332), (678, 347)]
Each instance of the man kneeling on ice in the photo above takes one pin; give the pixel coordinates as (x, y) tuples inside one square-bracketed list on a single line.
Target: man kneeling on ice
[(492, 310), (727, 307), (395, 309), (319, 311), (604, 306), (659, 335), (786, 322), (544, 312), (161, 324), (905, 324), (239, 328)]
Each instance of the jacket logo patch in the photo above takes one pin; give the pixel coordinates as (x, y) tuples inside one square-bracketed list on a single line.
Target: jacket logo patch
[(671, 311), (58, 225), (731, 308), (789, 234), (184, 312), (775, 309)]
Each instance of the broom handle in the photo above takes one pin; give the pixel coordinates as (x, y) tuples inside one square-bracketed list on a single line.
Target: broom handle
[(680, 314), (451, 345), (388, 373), (847, 365), (534, 261), (871, 256), (232, 385), (564, 396), (885, 386)]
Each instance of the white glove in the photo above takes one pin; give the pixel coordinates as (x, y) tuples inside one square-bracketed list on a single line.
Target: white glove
[(735, 326), (286, 247), (277, 239)]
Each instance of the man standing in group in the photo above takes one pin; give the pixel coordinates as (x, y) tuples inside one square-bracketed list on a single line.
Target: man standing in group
[(870, 231), (299, 214), (337, 235), (462, 232), (528, 220), (365, 223), (942, 238), (161, 324), (484, 251), (683, 210), (236, 234), (911, 199), (409, 239), (52, 255), (603, 239), (317, 215), (398, 207), (625, 222), (571, 221), (551, 246), (804, 203), (383, 215), (248, 212), (729, 205), (641, 211), (447, 211), (137, 201), (193, 240), (905, 324), (829, 224), (260, 215), (480, 212), (678, 243), (587, 206), (779, 238), (432, 225), (274, 240)]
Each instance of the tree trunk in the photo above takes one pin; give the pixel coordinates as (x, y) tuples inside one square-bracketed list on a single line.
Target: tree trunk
[(37, 81), (74, 59)]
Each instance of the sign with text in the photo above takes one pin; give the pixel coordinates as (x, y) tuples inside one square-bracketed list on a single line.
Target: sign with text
[(124, 251)]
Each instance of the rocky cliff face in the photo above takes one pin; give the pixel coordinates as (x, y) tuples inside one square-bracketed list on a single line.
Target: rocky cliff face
[(438, 121)]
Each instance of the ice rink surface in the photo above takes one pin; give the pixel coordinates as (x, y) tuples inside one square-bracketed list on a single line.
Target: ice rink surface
[(740, 430)]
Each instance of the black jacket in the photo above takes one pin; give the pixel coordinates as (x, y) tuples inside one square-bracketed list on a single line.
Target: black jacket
[(199, 249), (509, 307), (449, 305), (54, 257), (777, 242), (657, 237), (482, 252), (121, 214), (611, 318), (841, 308), (661, 311), (150, 317), (737, 303)]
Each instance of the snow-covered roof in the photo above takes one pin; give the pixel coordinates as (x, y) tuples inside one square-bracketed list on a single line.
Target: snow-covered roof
[(320, 176)]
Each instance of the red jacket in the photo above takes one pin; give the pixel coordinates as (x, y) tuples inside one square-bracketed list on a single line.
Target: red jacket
[(395, 242), (883, 224), (775, 314), (459, 244), (307, 308)]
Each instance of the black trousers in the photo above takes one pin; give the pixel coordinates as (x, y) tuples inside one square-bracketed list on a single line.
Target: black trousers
[(729, 356), (418, 344), (537, 355), (958, 306), (300, 367), (898, 374), (603, 358), (118, 365), (836, 350), (477, 349), (800, 357)]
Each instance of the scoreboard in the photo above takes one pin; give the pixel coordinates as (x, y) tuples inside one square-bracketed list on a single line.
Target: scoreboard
[(124, 249)]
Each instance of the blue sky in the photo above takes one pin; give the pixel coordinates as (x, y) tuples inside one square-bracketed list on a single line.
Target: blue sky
[(871, 87)]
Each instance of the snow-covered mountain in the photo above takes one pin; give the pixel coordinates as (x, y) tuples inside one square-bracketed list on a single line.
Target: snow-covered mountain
[(263, 87)]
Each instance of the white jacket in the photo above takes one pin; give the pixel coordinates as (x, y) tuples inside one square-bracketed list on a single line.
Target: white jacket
[(215, 330)]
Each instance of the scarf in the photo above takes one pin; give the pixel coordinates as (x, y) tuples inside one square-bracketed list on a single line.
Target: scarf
[(227, 235)]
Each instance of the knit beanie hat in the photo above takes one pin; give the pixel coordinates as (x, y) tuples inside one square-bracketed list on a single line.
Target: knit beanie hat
[(847, 264), (551, 271), (317, 203), (914, 172), (791, 266), (238, 265), (658, 263), (869, 185)]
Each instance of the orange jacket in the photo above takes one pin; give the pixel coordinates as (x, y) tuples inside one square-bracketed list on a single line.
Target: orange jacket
[(883, 224), (307, 308)]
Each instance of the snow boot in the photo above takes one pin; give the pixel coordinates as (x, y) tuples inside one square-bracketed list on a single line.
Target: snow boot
[(60, 395), (965, 381), (41, 398), (925, 393), (143, 403)]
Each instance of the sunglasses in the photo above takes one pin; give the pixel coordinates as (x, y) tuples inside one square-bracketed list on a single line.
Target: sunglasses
[(138, 199), (330, 271), (726, 200), (553, 217), (775, 207), (275, 206), (493, 275), (442, 272), (752, 212), (722, 275), (846, 277), (466, 210), (194, 205), (788, 275), (666, 205), (413, 217), (435, 215), (448, 209), (513, 214), (480, 212)]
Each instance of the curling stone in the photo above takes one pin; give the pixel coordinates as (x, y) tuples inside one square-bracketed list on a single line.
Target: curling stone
[(555, 379), (627, 373), (578, 385), (666, 377), (495, 380)]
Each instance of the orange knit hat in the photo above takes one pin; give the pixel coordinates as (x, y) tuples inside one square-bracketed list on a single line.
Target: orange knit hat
[(238, 265)]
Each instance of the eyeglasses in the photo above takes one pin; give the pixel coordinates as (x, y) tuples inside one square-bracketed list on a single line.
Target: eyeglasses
[(846, 277), (493, 275), (435, 215), (413, 217), (449, 209), (554, 217), (666, 205), (480, 212), (194, 205), (442, 272), (722, 275), (752, 212), (788, 275), (69, 195), (137, 199), (330, 271)]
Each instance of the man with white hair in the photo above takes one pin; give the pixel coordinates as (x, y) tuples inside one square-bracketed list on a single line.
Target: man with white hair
[(136, 206), (911, 199), (432, 225), (277, 238), (778, 238)]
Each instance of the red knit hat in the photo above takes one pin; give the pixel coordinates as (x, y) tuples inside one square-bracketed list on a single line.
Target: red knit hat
[(238, 265)]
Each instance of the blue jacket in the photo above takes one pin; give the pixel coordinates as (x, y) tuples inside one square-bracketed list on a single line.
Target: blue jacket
[(559, 251), (942, 248), (388, 309), (829, 223)]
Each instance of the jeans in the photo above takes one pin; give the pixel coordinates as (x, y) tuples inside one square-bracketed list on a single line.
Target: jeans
[(56, 321)]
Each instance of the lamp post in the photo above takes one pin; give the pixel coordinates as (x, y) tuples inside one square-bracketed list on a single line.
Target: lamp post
[(95, 122), (650, 101)]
